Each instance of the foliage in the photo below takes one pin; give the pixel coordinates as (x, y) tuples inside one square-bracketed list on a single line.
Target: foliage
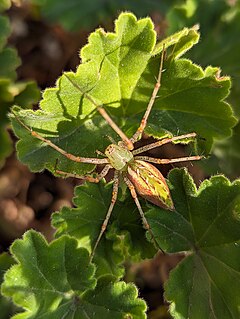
[(11, 92), (220, 27), (118, 71), (120, 74), (36, 286), (125, 236), (206, 225), (75, 14), (6, 306)]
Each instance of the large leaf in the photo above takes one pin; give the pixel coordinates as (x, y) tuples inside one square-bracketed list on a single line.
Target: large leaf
[(119, 70), (56, 281), (206, 225), (124, 237)]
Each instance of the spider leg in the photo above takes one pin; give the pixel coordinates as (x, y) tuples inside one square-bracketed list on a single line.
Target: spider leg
[(162, 142), (109, 212), (104, 114), (143, 124), (168, 160), (144, 220), (60, 150), (88, 178), (100, 153)]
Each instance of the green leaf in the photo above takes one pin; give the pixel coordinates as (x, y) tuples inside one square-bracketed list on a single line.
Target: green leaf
[(206, 224), (182, 42), (5, 145), (73, 15), (4, 31), (9, 61), (118, 70), (220, 28), (4, 5), (47, 276), (206, 113), (219, 22), (6, 306), (55, 280), (227, 153), (6, 261), (23, 93), (124, 237), (114, 300)]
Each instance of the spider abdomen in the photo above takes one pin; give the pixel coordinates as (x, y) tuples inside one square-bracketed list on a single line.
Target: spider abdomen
[(150, 183)]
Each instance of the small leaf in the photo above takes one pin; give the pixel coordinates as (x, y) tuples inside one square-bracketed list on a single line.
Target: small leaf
[(23, 93), (206, 224), (9, 61), (5, 145), (56, 281), (4, 31), (182, 42), (124, 237)]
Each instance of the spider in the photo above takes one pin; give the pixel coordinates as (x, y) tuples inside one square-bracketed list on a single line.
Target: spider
[(141, 177)]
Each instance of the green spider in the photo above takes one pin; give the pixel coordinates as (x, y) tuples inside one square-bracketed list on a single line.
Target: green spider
[(141, 177)]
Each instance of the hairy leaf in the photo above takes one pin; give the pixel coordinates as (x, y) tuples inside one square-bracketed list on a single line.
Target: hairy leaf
[(206, 225), (124, 237), (55, 280)]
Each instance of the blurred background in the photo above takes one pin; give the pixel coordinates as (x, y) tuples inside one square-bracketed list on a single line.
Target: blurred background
[(39, 39)]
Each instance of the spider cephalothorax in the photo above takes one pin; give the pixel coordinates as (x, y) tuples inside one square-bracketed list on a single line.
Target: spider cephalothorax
[(119, 156)]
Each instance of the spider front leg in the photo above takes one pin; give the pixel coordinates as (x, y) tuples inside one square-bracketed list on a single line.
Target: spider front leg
[(143, 124), (109, 212)]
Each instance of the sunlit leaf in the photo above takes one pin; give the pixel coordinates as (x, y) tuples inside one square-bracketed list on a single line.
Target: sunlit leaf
[(55, 281), (206, 225)]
